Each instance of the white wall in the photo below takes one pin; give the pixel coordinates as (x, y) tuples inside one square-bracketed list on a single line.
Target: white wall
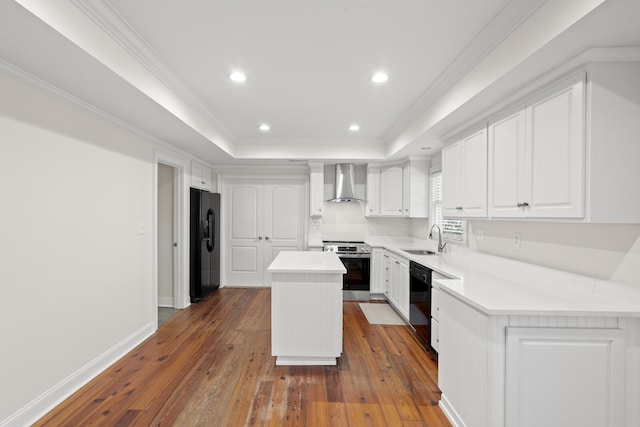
[(165, 235), (604, 251), (346, 221), (76, 275)]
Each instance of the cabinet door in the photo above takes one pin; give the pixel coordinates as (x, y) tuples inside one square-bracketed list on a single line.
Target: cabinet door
[(377, 271), (415, 188), (452, 180), (373, 190), (576, 375), (473, 191), (507, 171), (403, 287), (200, 176), (556, 154), (391, 191), (316, 189)]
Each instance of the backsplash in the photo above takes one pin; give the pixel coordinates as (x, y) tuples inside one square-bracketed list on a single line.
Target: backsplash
[(346, 221)]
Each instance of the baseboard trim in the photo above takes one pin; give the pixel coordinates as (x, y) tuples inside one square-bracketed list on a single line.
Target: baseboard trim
[(36, 409), (165, 302), (450, 413)]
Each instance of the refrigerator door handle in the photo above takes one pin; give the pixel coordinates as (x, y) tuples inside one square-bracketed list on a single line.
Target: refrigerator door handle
[(208, 237)]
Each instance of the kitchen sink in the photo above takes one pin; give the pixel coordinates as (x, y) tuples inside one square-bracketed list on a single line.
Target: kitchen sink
[(419, 252)]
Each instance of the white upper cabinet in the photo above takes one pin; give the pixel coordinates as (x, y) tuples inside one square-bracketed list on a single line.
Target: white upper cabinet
[(316, 189), (507, 166), (200, 176), (373, 190), (555, 153), (570, 151), (415, 188), (536, 156), (391, 191), (464, 177)]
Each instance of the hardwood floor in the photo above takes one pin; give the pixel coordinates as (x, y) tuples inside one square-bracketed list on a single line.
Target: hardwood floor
[(211, 365)]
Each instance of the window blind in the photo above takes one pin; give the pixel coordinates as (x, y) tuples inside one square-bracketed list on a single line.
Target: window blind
[(452, 228)]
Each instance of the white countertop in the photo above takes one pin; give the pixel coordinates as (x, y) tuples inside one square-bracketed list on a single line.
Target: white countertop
[(306, 262), (497, 285)]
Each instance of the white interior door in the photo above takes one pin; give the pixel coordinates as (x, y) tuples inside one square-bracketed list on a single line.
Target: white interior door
[(244, 218), (262, 218), (283, 216)]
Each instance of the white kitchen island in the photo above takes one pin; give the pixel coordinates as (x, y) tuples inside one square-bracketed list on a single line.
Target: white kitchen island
[(306, 308)]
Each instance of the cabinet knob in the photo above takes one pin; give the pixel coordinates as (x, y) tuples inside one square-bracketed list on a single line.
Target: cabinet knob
[(522, 205), (459, 208)]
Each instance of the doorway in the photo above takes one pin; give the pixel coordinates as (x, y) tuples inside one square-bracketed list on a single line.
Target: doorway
[(167, 242)]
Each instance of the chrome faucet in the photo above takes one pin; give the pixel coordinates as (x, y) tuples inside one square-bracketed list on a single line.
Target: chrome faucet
[(440, 244)]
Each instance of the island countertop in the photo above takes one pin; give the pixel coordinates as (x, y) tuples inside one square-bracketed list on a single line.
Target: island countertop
[(307, 262)]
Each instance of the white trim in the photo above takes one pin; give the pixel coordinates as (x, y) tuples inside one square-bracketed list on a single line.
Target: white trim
[(37, 408), (450, 413), (17, 73), (166, 302), (550, 77), (502, 25), (181, 195)]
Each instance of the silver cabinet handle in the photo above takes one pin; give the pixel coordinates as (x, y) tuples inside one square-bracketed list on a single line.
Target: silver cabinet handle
[(266, 237), (259, 237), (522, 205), (459, 208)]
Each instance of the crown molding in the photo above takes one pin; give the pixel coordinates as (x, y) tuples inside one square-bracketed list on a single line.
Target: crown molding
[(21, 75), (500, 27), (555, 73), (109, 20)]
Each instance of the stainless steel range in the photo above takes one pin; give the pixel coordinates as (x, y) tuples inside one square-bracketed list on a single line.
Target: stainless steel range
[(356, 257)]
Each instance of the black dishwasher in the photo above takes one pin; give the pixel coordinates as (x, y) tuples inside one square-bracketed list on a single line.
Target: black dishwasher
[(420, 302)]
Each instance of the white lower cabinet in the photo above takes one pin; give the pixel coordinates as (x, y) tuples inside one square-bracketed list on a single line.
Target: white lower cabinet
[(397, 282), (565, 377), (435, 316), (377, 277), (513, 370)]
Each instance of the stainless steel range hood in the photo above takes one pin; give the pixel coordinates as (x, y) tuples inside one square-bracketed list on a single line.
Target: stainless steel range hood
[(345, 184)]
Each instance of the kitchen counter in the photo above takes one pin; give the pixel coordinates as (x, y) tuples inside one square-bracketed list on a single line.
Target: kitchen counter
[(306, 308), (306, 262), (513, 336), (496, 285)]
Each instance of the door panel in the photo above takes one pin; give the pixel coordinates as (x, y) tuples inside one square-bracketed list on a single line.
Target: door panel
[(244, 259), (264, 218)]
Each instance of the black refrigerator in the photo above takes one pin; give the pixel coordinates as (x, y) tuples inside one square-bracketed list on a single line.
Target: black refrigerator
[(204, 265)]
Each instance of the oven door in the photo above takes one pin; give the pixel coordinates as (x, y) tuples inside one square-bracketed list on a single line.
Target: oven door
[(357, 276)]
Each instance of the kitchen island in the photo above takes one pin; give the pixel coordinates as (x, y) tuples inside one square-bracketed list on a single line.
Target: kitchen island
[(306, 308)]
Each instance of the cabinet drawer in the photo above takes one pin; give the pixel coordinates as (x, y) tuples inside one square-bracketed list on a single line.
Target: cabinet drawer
[(435, 334), (435, 303)]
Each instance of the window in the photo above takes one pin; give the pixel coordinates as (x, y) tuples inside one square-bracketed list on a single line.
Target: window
[(453, 229)]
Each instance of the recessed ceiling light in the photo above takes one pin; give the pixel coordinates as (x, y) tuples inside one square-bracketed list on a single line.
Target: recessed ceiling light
[(238, 76), (379, 77), (354, 128), (425, 148), (264, 127)]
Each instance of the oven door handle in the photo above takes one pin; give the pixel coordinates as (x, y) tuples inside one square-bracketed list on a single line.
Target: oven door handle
[(354, 255)]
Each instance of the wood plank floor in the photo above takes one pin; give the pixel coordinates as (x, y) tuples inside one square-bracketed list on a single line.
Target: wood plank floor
[(211, 365)]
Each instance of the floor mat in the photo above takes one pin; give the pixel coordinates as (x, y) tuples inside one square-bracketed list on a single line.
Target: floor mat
[(381, 314)]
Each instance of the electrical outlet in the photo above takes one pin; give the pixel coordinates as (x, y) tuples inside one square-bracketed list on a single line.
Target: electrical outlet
[(516, 240), (405, 227), (479, 235)]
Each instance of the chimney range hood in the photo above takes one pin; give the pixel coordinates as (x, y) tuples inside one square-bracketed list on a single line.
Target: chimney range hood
[(345, 184)]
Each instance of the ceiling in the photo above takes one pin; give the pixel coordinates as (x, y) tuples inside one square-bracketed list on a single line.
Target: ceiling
[(162, 67)]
